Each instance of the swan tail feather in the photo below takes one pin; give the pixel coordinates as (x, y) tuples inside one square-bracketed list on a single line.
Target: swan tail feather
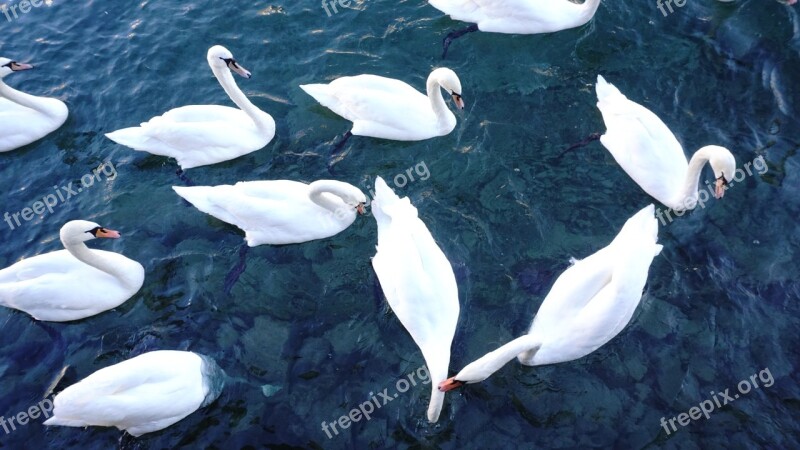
[(605, 89), (321, 93), (207, 199), (132, 137)]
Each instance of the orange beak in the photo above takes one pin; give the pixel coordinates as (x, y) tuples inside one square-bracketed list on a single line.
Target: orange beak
[(459, 101), (450, 384), (108, 234), (360, 208), (719, 192)]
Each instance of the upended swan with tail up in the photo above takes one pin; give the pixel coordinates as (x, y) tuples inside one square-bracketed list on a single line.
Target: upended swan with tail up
[(280, 211), (418, 283), (25, 118), (199, 135), (588, 305), (648, 151), (71, 284), (386, 108), (141, 395), (515, 16)]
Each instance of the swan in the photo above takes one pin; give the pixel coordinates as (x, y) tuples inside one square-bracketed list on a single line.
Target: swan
[(141, 395), (515, 16), (198, 135), (386, 108), (280, 211), (589, 304), (25, 118), (418, 283), (648, 151), (74, 283)]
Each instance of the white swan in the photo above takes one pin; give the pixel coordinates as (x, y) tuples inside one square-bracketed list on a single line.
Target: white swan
[(74, 283), (280, 211), (519, 16), (648, 151), (25, 118), (141, 395), (199, 135), (589, 304), (391, 109), (418, 283)]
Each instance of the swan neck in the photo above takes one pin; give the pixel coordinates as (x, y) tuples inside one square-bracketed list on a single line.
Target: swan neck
[(440, 108), (692, 182), (99, 261), (23, 99), (317, 191), (228, 83), (495, 360)]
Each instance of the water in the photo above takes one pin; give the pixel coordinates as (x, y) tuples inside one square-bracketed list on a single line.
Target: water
[(305, 335)]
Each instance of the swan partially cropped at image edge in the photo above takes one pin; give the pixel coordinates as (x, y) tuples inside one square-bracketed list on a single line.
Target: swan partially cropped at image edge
[(280, 211), (418, 282), (588, 305), (25, 118), (647, 150), (198, 135), (386, 108), (515, 16), (74, 283), (141, 395)]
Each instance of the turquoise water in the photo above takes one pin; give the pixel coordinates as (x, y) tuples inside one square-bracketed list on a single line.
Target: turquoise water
[(305, 335)]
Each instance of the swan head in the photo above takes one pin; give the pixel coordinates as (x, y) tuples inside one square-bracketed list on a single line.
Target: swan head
[(220, 57), (449, 81), (78, 231), (724, 165), (475, 372), (8, 66)]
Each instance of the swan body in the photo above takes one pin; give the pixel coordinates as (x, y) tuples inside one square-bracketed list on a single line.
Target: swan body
[(589, 304), (280, 211), (418, 283), (519, 16), (71, 284), (141, 395), (648, 151), (25, 118), (391, 109), (198, 135)]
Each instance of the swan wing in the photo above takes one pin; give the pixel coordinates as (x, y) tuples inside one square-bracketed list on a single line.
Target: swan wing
[(140, 395), (378, 106), (21, 126), (269, 212), (641, 144), (57, 287), (515, 16), (195, 135), (418, 282), (627, 261)]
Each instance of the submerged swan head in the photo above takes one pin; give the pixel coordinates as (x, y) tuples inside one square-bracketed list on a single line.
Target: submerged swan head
[(724, 165), (8, 66), (449, 81), (220, 57), (79, 231)]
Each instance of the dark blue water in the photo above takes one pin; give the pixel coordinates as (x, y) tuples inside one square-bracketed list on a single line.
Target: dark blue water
[(305, 334)]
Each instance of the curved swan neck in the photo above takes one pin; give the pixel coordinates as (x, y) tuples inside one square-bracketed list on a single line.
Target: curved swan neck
[(99, 261), (440, 108), (319, 188), (29, 101), (692, 181), (491, 362), (226, 80)]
